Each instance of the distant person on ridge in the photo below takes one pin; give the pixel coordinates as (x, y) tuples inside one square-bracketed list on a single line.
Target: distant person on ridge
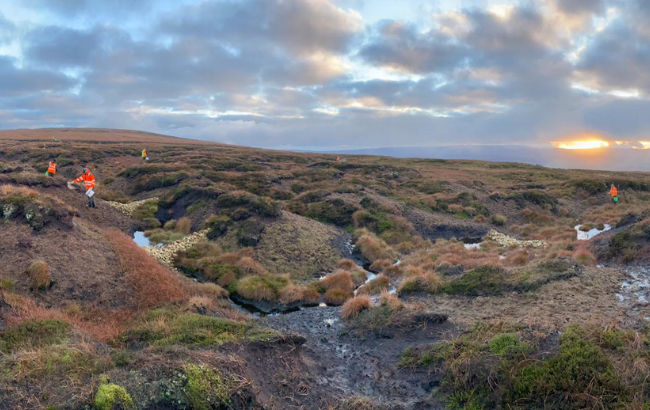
[(613, 192), (89, 180), (51, 168), (144, 155), (338, 159)]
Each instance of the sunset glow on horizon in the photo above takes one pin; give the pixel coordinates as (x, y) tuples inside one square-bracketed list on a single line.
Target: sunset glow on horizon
[(591, 144)]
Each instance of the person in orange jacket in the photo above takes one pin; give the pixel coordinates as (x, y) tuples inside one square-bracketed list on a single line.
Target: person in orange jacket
[(613, 192), (51, 168), (89, 180)]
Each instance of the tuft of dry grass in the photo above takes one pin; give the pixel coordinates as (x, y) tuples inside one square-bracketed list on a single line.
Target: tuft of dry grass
[(373, 248), (347, 264), (154, 284), (291, 294), (353, 307), (340, 280), (429, 282), (336, 297), (375, 286), (39, 275), (359, 277), (394, 271), (208, 290), (584, 257), (380, 265), (390, 300), (184, 225), (249, 267)]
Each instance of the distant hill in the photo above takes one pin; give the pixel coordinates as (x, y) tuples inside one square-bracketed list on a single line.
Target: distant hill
[(612, 159)]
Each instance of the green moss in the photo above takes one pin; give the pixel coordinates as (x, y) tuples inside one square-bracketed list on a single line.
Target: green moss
[(507, 343), (163, 327), (34, 334), (111, 396), (206, 388), (483, 281), (7, 284), (570, 379), (147, 214), (218, 226)]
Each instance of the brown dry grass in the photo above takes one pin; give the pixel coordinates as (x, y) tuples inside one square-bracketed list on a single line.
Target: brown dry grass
[(101, 324), (373, 248), (359, 276), (208, 289), (429, 282), (353, 307), (184, 225), (336, 297), (390, 300), (347, 264), (380, 265), (39, 275), (291, 293), (375, 286), (249, 267), (341, 280), (154, 284)]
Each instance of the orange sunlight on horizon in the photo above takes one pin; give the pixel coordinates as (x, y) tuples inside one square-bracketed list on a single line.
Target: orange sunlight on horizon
[(590, 144)]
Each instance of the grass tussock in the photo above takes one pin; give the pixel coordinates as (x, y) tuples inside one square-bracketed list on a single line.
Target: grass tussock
[(375, 286), (340, 279), (154, 284), (429, 282), (353, 307), (373, 248), (39, 274), (336, 297), (167, 327)]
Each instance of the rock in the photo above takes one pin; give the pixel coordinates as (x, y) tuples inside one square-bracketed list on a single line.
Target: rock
[(131, 206), (165, 254), (505, 240)]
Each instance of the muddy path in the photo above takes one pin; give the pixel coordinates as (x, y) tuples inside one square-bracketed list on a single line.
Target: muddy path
[(343, 363)]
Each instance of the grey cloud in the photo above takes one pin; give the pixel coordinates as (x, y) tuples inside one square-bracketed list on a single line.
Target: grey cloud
[(581, 7), (618, 58), (17, 82), (402, 47), (90, 8), (298, 26)]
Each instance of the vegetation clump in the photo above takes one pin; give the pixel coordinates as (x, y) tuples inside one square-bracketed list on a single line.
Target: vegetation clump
[(33, 334), (39, 275), (353, 307), (110, 396), (206, 388)]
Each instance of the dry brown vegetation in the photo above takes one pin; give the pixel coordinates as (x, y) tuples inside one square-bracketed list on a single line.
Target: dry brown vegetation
[(353, 307), (154, 284), (39, 275)]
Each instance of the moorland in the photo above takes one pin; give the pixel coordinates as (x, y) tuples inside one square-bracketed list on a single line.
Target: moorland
[(279, 280)]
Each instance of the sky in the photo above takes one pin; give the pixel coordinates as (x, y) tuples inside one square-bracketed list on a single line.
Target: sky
[(332, 74)]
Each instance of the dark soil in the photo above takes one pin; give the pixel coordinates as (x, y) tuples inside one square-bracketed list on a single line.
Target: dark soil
[(336, 364)]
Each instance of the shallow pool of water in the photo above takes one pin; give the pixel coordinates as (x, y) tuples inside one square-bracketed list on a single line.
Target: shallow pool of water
[(470, 246), (586, 235), (141, 240)]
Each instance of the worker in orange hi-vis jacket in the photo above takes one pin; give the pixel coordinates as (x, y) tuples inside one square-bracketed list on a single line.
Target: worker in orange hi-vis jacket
[(51, 168), (89, 181), (613, 192)]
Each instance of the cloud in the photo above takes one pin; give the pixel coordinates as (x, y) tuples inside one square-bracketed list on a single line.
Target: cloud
[(74, 8), (300, 27), (402, 47), (19, 82)]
